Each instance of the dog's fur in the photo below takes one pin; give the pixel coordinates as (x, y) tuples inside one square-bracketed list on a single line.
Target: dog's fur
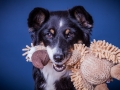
[(58, 30)]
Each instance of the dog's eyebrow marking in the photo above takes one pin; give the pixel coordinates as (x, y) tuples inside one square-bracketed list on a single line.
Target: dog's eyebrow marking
[(80, 42), (52, 31), (67, 31)]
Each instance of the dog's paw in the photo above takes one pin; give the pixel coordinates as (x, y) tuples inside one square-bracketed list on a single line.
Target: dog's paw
[(28, 52)]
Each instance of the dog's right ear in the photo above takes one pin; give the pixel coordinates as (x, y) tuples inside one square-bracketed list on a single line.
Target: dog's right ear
[(36, 18), (82, 16)]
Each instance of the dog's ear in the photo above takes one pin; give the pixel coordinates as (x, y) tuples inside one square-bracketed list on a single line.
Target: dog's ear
[(82, 16), (36, 18)]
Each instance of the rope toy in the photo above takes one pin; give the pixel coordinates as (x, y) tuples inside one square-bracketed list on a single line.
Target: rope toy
[(91, 67)]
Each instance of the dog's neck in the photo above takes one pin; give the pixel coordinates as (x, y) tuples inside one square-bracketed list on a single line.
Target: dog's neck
[(51, 76)]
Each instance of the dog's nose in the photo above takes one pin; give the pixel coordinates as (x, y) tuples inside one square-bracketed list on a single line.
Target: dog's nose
[(58, 57)]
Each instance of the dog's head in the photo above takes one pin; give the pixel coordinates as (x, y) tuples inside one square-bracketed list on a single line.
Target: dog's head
[(59, 30)]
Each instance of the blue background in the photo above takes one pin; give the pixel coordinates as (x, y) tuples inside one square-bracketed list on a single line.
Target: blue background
[(15, 72)]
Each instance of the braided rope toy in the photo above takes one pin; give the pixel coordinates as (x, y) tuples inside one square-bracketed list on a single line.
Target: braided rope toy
[(91, 66)]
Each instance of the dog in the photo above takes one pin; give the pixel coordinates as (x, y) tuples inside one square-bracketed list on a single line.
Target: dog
[(59, 31)]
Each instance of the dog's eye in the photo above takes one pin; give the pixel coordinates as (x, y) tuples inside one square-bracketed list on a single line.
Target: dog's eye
[(49, 35), (70, 35)]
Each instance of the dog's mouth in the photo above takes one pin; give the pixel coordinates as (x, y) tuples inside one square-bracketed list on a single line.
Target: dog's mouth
[(59, 68)]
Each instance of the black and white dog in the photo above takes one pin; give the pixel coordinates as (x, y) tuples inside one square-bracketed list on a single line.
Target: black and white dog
[(58, 30)]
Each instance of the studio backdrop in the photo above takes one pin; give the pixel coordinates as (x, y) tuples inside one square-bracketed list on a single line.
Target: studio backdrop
[(15, 72)]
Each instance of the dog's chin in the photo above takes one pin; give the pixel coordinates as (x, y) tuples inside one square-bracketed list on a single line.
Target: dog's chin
[(59, 67)]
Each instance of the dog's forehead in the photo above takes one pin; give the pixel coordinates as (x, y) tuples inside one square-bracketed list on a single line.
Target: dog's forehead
[(59, 19), (59, 16)]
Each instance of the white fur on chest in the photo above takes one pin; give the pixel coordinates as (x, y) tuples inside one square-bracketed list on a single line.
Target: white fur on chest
[(51, 76)]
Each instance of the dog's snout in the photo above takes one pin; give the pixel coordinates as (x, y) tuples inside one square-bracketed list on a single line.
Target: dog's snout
[(58, 57)]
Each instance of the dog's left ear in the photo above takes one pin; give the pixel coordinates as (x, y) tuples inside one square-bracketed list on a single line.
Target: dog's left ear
[(36, 18), (82, 16)]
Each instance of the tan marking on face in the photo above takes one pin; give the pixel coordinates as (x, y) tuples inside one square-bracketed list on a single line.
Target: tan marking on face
[(67, 31), (80, 42), (52, 31), (41, 43)]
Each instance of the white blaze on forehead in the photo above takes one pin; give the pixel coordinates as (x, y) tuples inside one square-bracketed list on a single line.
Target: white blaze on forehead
[(61, 23)]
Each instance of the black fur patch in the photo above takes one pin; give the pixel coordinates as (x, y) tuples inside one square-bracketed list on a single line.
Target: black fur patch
[(64, 84), (39, 79)]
